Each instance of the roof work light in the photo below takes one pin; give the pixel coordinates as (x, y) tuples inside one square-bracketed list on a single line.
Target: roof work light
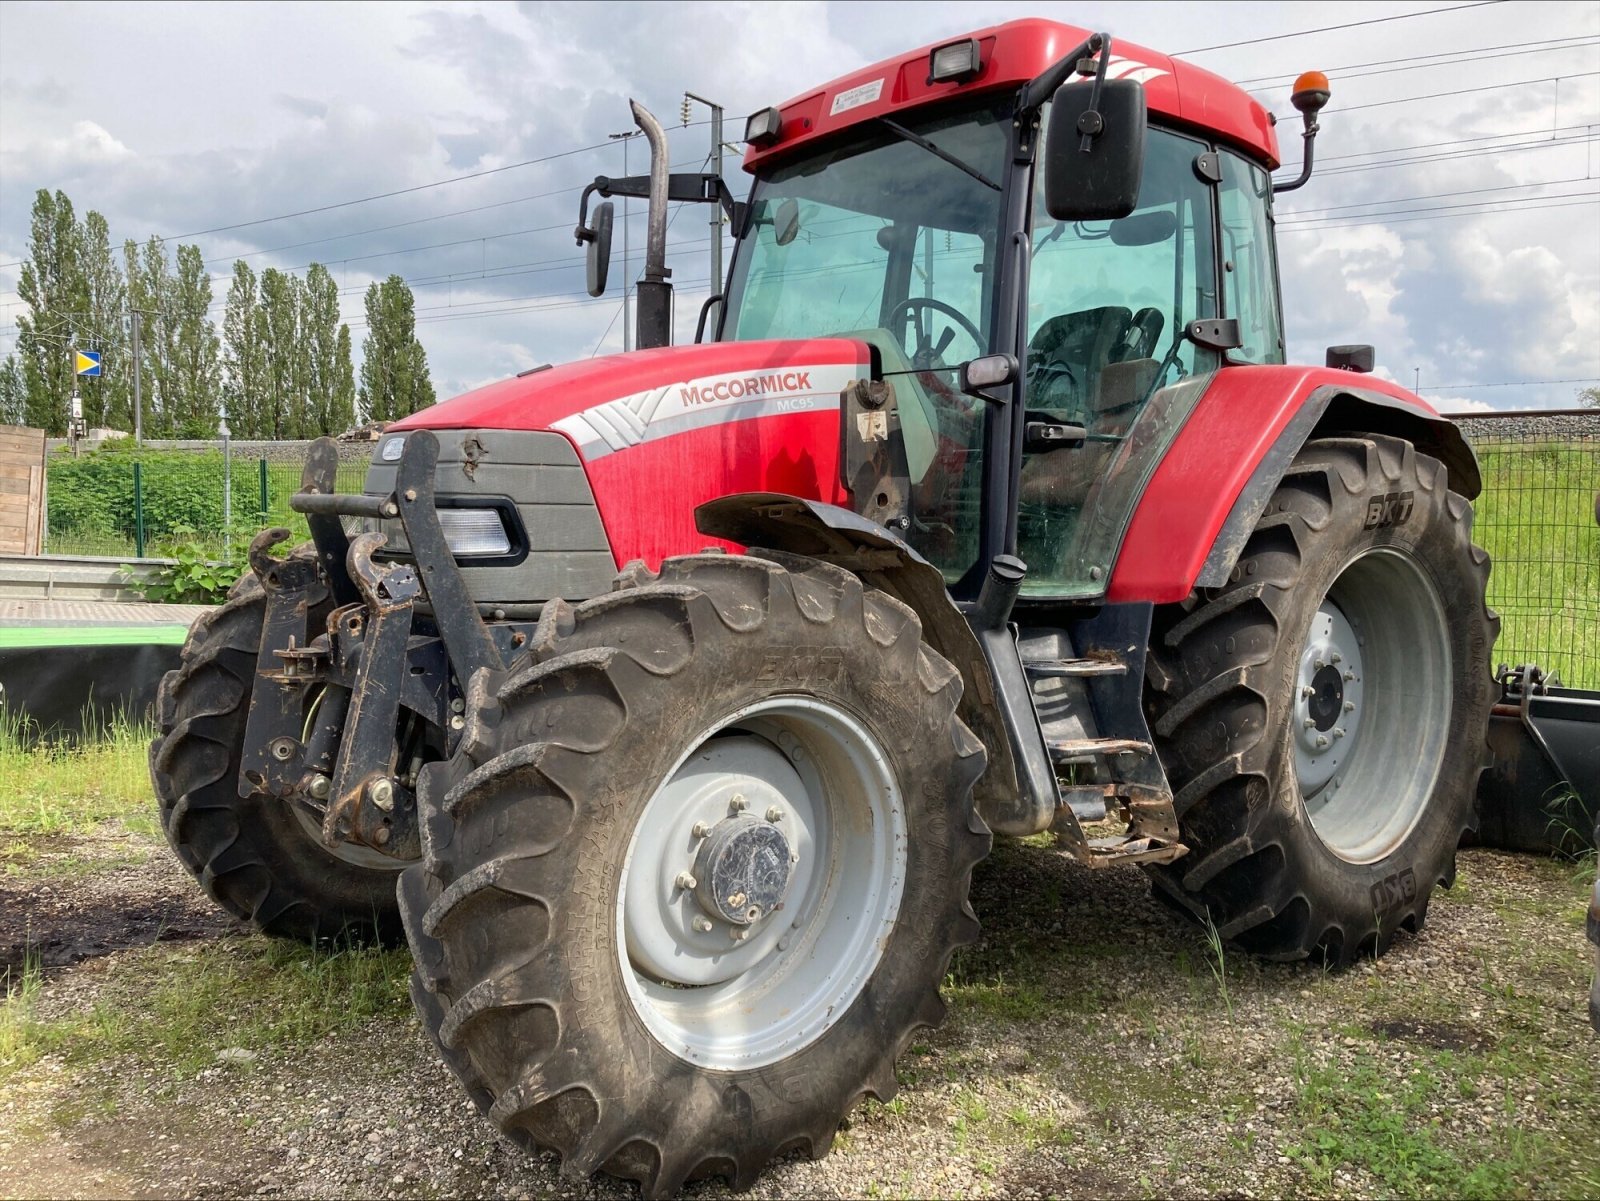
[(761, 128), (954, 63)]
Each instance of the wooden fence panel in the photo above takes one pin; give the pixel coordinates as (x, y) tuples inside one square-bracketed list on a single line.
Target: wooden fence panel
[(21, 490)]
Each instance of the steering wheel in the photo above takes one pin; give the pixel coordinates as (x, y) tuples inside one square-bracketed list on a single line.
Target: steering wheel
[(926, 355)]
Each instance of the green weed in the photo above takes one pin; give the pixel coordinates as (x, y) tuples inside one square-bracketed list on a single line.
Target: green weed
[(62, 788)]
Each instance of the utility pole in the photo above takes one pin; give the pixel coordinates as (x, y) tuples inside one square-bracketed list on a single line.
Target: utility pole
[(716, 164), (138, 408), (1416, 385), (627, 275)]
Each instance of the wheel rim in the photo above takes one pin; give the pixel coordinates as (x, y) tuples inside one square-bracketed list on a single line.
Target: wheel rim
[(1372, 705), (761, 883), (352, 853)]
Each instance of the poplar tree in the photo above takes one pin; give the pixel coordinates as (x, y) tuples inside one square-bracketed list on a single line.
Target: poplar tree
[(195, 348), (52, 288), (107, 401), (394, 367), (13, 392), (319, 334), (279, 327), (242, 355)]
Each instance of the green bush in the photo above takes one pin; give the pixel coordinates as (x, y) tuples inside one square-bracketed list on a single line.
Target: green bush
[(196, 576), (182, 490)]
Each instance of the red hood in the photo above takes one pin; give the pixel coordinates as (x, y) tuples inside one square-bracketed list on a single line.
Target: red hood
[(733, 370)]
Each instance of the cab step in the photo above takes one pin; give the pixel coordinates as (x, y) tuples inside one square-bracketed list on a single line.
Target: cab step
[(1045, 669), (1063, 750)]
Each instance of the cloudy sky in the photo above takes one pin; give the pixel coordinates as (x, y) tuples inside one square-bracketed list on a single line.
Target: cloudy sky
[(1455, 221)]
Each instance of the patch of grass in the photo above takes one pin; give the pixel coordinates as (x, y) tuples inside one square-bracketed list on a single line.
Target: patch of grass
[(176, 1008), (1362, 1116), (57, 788), (1218, 963)]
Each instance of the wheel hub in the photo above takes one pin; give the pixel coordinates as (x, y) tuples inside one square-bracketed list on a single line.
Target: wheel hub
[(1328, 688), (742, 870)]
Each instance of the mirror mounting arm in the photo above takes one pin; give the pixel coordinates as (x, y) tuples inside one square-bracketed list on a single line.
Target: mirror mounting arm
[(1043, 86)]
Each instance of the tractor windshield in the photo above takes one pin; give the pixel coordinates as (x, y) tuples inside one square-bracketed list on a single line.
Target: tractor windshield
[(890, 238)]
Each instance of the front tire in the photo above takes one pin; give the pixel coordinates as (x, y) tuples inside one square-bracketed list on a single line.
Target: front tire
[(694, 881), (258, 857), (1322, 716)]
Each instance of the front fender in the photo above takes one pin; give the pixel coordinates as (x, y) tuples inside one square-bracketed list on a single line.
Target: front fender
[(1214, 483), (882, 559)]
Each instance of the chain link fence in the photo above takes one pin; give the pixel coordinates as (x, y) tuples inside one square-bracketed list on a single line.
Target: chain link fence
[(126, 504), (1536, 518)]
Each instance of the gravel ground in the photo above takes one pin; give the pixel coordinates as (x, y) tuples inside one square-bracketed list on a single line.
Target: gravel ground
[(1090, 1051)]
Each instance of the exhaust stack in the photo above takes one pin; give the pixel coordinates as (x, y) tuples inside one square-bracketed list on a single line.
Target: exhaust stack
[(654, 292)]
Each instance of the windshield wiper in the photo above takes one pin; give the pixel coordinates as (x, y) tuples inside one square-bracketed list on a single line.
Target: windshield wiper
[(916, 139)]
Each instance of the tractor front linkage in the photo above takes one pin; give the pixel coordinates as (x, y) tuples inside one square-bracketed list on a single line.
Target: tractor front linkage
[(345, 716)]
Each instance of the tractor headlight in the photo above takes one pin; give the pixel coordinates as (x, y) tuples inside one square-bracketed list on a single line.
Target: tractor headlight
[(475, 533)]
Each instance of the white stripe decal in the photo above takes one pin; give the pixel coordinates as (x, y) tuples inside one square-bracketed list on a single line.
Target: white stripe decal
[(706, 400)]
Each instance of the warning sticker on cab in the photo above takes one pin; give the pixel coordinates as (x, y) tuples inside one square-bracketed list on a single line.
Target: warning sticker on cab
[(855, 97)]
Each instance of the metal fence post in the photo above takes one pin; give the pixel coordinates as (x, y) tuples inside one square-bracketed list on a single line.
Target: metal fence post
[(262, 466), (138, 512)]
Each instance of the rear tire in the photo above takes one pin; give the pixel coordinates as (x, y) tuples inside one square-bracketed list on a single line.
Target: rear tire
[(1322, 716), (595, 1003), (254, 856)]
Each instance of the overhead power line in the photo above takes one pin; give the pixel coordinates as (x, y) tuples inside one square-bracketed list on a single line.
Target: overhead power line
[(1513, 383), (1389, 66), (1301, 33)]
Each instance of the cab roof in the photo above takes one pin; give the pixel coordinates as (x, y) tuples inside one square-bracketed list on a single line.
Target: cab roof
[(1011, 55)]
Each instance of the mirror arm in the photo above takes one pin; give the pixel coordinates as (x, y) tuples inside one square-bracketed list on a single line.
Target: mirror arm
[(584, 233), (682, 188), (1043, 86)]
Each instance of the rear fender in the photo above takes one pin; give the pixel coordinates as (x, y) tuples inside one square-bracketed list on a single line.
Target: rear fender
[(838, 536), (1213, 485)]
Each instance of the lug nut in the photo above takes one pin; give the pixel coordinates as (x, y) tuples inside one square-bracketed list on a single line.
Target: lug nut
[(1322, 740), (739, 933), (382, 794), (1337, 732), (703, 924), (1308, 691), (737, 803), (774, 814), (700, 830), (1335, 657), (1319, 663), (457, 722), (1349, 706), (1311, 723), (686, 881), (1349, 675), (458, 705)]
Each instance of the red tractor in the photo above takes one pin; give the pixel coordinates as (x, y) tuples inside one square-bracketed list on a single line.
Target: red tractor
[(985, 501)]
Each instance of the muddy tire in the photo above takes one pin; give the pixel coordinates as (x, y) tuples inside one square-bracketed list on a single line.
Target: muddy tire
[(597, 999), (254, 856), (1322, 716)]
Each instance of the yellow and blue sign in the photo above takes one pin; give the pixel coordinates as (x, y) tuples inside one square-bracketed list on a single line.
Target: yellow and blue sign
[(88, 363)]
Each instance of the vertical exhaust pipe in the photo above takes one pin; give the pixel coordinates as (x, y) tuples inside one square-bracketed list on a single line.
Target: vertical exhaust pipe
[(654, 292)]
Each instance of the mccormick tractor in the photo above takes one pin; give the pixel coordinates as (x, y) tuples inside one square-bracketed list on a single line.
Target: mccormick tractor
[(664, 702)]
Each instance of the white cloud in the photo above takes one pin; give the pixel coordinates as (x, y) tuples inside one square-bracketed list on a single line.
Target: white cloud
[(210, 115)]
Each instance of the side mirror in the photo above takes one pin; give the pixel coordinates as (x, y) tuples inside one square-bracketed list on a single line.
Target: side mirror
[(597, 255), (786, 222), (1102, 183)]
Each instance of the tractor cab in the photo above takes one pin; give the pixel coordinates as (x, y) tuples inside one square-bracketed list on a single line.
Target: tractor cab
[(1096, 219), (872, 236)]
